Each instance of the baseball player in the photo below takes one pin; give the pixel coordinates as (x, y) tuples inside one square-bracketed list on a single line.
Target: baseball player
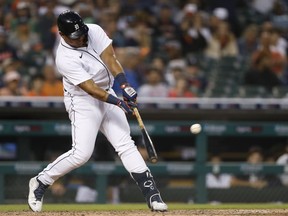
[(86, 60)]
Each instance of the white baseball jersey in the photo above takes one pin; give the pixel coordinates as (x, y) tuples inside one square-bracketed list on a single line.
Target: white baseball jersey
[(77, 65)]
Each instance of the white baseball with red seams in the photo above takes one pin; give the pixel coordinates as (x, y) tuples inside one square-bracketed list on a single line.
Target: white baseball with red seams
[(195, 128)]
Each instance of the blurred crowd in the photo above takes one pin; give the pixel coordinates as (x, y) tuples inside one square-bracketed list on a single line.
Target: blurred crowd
[(160, 43)]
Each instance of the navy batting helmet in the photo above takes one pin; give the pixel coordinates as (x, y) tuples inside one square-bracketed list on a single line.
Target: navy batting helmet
[(71, 24)]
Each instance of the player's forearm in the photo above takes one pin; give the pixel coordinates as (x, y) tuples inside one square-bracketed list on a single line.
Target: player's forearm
[(109, 58), (95, 91), (115, 66)]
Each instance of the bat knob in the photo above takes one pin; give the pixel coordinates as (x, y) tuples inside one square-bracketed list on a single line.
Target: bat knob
[(153, 160)]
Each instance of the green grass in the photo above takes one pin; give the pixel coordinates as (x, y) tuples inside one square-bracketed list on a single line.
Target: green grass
[(123, 207)]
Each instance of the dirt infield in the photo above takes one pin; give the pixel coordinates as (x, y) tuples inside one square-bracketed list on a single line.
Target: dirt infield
[(227, 212)]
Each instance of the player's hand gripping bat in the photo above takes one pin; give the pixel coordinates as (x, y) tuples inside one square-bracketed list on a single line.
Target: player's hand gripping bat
[(153, 158)]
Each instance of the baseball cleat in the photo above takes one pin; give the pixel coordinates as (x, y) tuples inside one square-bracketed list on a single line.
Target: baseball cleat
[(36, 194), (156, 203)]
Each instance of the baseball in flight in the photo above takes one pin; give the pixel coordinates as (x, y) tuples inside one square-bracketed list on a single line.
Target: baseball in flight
[(195, 128)]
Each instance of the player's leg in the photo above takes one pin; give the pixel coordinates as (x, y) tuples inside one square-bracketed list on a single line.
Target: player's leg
[(116, 128), (85, 122)]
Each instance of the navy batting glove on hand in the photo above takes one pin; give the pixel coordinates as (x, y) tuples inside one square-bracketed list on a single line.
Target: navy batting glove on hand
[(122, 104), (125, 107), (129, 93), (132, 105)]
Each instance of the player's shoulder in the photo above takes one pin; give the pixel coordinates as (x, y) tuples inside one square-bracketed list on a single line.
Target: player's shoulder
[(94, 27), (64, 54)]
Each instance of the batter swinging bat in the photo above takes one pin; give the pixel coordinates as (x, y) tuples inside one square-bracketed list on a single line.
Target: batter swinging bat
[(153, 158)]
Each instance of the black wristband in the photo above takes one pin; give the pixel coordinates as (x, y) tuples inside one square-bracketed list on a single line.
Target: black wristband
[(112, 99), (121, 79)]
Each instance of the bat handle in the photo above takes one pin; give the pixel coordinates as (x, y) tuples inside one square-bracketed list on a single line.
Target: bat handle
[(139, 119)]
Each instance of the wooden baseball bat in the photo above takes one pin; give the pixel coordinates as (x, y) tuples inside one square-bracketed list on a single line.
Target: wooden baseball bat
[(153, 158)]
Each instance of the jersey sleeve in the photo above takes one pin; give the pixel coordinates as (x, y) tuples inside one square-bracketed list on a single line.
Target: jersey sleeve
[(100, 40), (73, 71)]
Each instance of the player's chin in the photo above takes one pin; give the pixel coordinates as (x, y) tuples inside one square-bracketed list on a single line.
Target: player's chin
[(85, 41), (84, 44)]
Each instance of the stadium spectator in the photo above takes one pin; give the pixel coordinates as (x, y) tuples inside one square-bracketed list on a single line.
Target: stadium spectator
[(195, 35), (255, 157), (181, 89), (215, 179), (23, 10), (164, 27), (223, 43), (109, 24), (283, 160), (261, 74), (195, 76), (52, 86), (173, 51), (267, 47), (23, 38), (279, 42), (218, 16), (46, 26), (144, 33), (10, 64), (12, 85), (248, 41), (86, 9), (36, 88), (227, 11), (176, 73), (5, 11), (158, 62), (6, 51), (33, 61), (186, 12), (173, 56), (130, 33), (154, 85)]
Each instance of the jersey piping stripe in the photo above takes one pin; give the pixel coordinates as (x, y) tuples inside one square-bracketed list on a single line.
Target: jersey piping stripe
[(107, 70), (73, 144)]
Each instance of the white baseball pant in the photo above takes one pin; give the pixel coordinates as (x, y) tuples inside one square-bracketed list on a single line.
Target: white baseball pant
[(89, 115)]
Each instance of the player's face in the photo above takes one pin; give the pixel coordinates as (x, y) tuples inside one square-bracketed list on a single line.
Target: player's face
[(78, 42)]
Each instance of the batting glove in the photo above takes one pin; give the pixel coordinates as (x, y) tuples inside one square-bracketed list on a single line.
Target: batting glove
[(120, 103), (125, 107), (129, 93), (132, 105)]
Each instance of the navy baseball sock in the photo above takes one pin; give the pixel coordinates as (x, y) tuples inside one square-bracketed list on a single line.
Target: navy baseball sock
[(147, 186)]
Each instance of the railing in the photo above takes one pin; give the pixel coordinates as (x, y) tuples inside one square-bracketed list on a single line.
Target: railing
[(160, 103)]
